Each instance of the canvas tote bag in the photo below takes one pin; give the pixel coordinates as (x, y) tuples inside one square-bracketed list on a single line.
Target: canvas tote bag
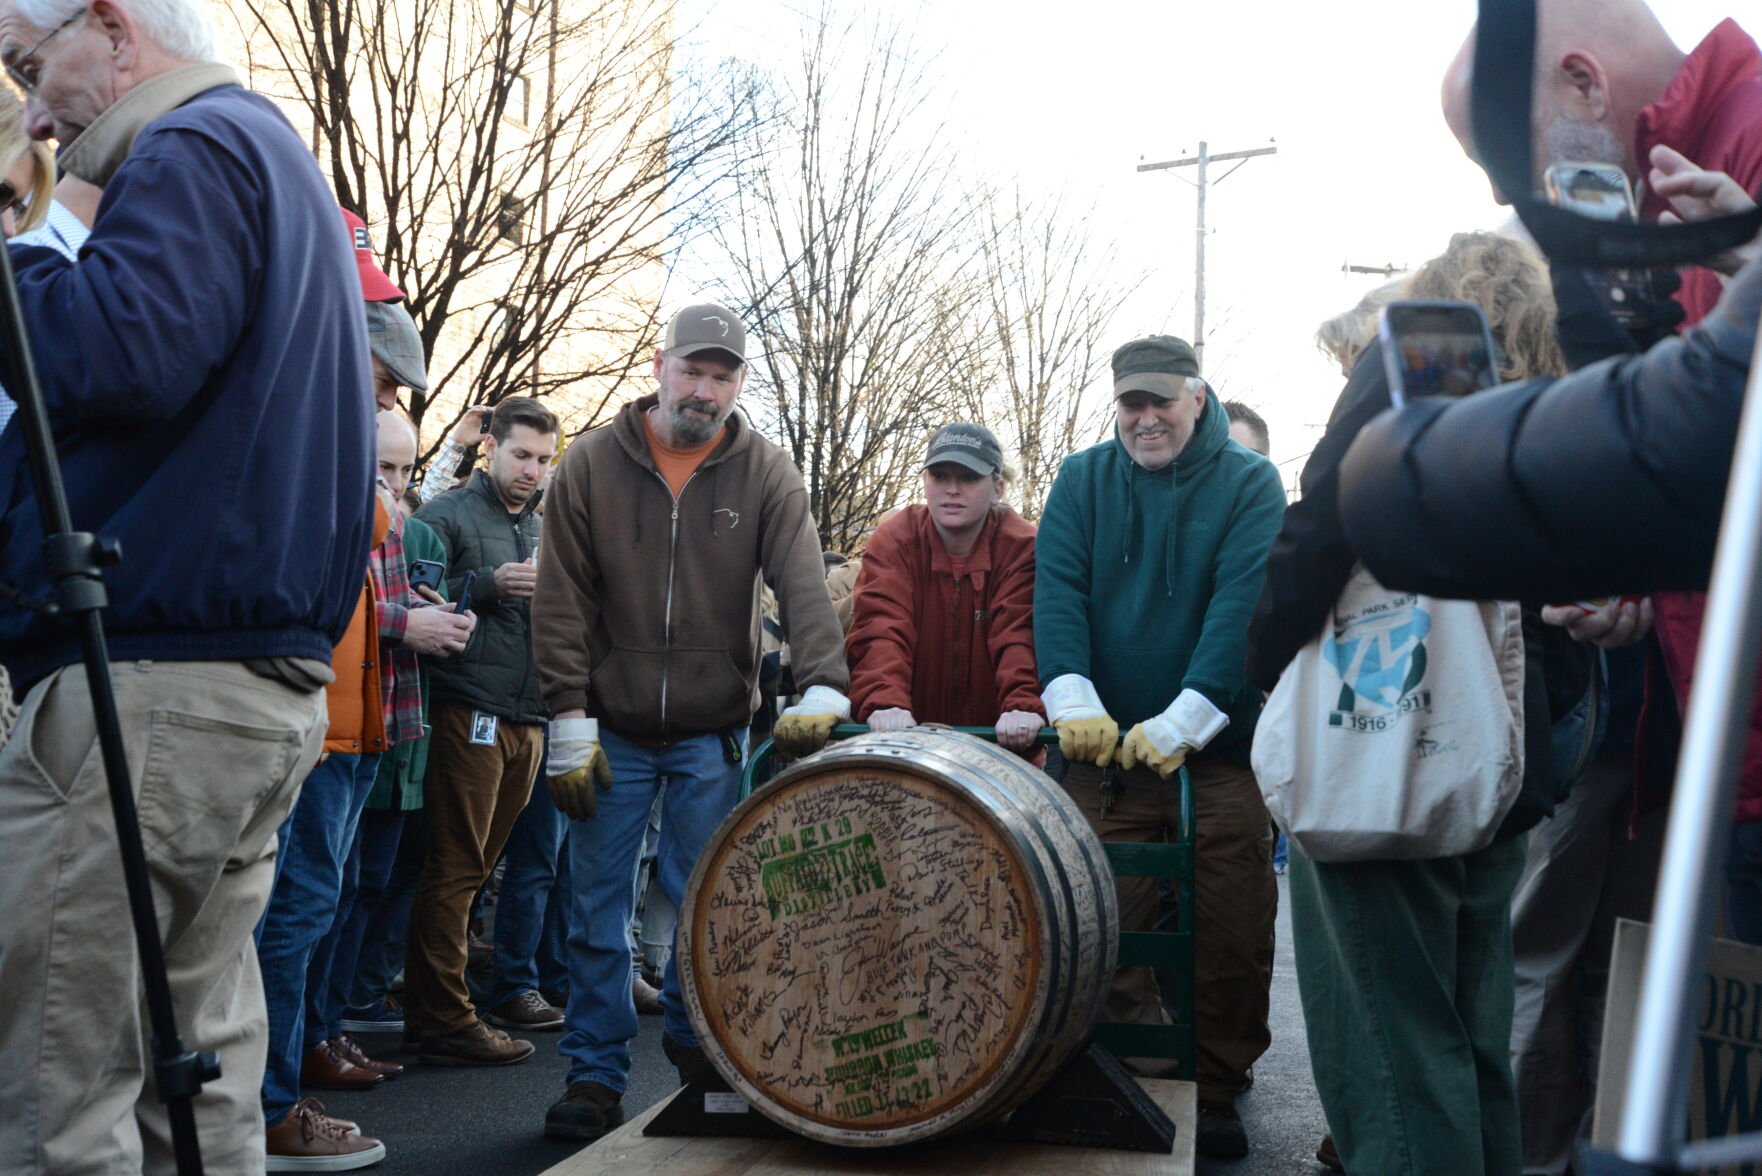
[(1398, 732)]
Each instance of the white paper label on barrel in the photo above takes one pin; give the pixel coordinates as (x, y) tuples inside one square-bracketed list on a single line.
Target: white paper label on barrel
[(862, 950), (721, 1102)]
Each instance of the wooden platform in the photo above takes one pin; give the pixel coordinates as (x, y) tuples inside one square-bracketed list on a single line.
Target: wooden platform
[(628, 1150)]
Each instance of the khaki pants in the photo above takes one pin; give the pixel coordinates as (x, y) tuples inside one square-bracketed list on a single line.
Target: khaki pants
[(1236, 901), (473, 794), (216, 755)]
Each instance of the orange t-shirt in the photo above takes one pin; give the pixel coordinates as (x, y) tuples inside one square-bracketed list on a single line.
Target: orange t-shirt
[(677, 465)]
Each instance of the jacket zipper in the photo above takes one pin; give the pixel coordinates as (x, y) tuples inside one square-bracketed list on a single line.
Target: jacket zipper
[(525, 607), (672, 559), (954, 633)]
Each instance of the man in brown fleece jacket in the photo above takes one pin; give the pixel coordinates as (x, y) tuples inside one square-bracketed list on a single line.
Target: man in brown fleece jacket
[(658, 530)]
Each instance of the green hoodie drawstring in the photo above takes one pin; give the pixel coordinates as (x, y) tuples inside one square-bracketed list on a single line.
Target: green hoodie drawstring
[(1168, 571)]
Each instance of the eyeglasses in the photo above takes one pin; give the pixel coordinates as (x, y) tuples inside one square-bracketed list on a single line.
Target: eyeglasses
[(11, 201), (26, 71)]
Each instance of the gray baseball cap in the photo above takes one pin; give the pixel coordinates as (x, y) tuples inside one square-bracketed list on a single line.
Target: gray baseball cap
[(395, 342), (966, 444), (705, 327)]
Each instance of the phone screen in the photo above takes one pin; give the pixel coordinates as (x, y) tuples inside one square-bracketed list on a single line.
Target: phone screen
[(1596, 190), (1436, 349)]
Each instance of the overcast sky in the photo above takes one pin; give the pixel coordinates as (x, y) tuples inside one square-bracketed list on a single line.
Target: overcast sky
[(1071, 97)]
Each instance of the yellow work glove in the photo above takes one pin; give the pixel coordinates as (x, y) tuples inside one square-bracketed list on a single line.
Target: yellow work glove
[(577, 768), (1164, 742), (805, 727), (1086, 733), (1088, 741), (1139, 748)]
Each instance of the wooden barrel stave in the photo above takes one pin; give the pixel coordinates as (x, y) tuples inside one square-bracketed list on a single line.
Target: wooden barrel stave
[(1073, 872), (982, 805)]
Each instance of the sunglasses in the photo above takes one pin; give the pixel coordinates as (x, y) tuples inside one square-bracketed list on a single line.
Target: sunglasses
[(11, 201)]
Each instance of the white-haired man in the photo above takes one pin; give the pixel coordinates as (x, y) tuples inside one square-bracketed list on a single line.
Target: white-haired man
[(213, 412), (1151, 552)]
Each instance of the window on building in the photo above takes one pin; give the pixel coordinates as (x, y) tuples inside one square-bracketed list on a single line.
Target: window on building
[(518, 108), (511, 218)]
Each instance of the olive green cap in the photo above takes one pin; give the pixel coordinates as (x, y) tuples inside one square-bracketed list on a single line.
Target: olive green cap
[(1157, 364)]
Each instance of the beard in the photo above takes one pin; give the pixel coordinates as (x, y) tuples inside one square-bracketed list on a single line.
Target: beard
[(1567, 140), (694, 426)]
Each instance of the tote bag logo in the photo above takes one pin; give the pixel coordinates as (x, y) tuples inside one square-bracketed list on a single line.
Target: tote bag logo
[(1380, 655)]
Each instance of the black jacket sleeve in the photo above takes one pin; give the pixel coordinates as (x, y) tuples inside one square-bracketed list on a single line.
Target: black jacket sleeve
[(1608, 480), (1311, 559)]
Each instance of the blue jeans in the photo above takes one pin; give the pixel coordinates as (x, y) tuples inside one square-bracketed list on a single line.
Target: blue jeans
[(382, 943), (372, 853), (313, 842), (698, 787), (529, 948)]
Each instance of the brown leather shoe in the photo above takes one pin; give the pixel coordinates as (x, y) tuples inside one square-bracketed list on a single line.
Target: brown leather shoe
[(475, 1045), (1328, 1156), (526, 1013), (350, 1051), (308, 1140), (646, 996), (323, 1068)]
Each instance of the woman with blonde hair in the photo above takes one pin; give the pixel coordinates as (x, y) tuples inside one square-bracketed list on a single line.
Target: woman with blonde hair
[(1405, 967), (27, 172), (32, 211)]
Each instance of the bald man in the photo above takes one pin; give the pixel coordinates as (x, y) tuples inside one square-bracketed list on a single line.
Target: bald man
[(1611, 87)]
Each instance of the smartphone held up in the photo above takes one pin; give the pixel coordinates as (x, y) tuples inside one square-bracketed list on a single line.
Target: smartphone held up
[(1436, 349)]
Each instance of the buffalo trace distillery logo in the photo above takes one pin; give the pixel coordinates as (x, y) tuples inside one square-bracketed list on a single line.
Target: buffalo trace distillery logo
[(1380, 654)]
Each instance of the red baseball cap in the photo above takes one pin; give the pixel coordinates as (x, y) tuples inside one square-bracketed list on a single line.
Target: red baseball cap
[(375, 286)]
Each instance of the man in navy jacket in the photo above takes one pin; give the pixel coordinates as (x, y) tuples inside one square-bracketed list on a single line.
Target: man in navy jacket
[(203, 365)]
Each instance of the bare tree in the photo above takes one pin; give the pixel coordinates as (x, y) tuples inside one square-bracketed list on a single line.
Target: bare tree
[(524, 163), (1050, 294), (846, 245)]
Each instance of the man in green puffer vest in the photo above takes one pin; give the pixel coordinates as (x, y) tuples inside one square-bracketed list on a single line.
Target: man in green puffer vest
[(1150, 557)]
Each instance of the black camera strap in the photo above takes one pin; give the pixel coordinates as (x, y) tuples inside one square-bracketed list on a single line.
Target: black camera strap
[(1504, 73)]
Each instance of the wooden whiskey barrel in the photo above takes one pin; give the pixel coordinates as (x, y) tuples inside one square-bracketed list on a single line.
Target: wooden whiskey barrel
[(902, 936)]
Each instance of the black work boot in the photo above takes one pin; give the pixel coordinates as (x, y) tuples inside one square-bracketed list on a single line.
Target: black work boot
[(689, 1060), (587, 1110), (1221, 1135)]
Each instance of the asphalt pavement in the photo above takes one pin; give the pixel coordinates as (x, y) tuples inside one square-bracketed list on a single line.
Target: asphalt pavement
[(467, 1122)]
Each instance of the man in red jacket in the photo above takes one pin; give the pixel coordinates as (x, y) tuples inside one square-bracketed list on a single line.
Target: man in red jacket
[(943, 628), (1610, 86)]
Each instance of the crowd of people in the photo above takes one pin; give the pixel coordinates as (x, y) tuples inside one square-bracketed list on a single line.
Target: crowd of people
[(353, 706)]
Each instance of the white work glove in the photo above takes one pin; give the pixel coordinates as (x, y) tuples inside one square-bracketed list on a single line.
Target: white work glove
[(804, 728), (1162, 743), (576, 765), (1086, 732)]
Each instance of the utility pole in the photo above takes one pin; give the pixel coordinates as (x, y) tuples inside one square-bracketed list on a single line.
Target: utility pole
[(1388, 270), (1203, 161)]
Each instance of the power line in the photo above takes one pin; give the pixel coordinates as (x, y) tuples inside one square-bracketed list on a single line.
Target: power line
[(1203, 161)]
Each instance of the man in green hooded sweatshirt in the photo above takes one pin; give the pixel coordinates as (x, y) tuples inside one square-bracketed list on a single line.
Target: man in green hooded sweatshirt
[(1151, 553)]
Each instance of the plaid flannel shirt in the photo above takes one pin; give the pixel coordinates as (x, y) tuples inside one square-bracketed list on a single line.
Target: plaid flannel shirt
[(400, 687)]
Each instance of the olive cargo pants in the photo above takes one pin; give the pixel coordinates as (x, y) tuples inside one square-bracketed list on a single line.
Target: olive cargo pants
[(1236, 903)]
